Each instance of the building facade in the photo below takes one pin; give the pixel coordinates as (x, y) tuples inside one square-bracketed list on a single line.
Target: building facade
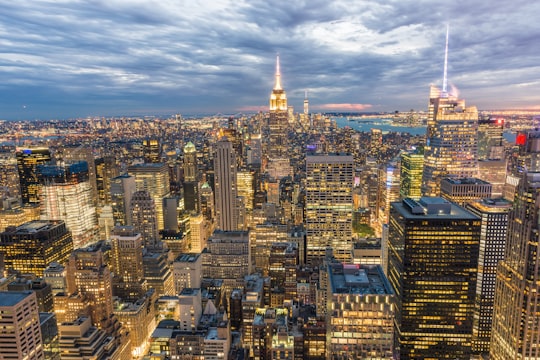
[(451, 141), (433, 248), (19, 319), (329, 205), (515, 331), (494, 215), (31, 247), (67, 194), (225, 186), (27, 162)]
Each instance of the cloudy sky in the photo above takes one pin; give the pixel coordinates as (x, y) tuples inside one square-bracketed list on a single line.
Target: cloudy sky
[(76, 58)]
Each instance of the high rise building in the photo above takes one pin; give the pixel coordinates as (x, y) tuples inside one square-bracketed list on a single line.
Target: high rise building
[(463, 190), (17, 215), (227, 257), (88, 274), (263, 236), (106, 170), (9, 177), (283, 261), (187, 271), (27, 161), (433, 248), (207, 202), (197, 235), (153, 178), (451, 145), (361, 311), (490, 136), (55, 275), (376, 142), (494, 172), (151, 150), (192, 197), (190, 163), (82, 153), (494, 216), (122, 189), (388, 189), (67, 195), (412, 165), (515, 333), (245, 179), (254, 152), (127, 263), (21, 335), (157, 273), (451, 138), (278, 120), (31, 247), (306, 105), (138, 318), (143, 218), (329, 205), (225, 186), (170, 213), (80, 340)]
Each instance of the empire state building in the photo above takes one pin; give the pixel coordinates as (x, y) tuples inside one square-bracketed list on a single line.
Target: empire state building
[(278, 120)]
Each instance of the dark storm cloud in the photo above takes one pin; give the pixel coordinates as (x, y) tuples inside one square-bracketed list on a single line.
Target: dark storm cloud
[(75, 58)]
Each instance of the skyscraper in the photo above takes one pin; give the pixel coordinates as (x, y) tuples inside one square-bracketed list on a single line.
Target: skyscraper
[(388, 189), (412, 165), (122, 189), (228, 257), (89, 275), (329, 183), (127, 261), (21, 335), (143, 218), (67, 195), (361, 311), (190, 162), (451, 138), (27, 161), (82, 153), (464, 190), (192, 197), (494, 215), (106, 170), (151, 150), (153, 178), (515, 333), (31, 247), (278, 120), (433, 248), (490, 136), (225, 186), (306, 106)]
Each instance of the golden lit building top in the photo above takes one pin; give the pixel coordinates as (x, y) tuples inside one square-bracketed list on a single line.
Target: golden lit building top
[(278, 98)]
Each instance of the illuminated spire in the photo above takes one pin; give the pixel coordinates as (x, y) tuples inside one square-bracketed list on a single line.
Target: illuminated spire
[(445, 75), (278, 75), (306, 104)]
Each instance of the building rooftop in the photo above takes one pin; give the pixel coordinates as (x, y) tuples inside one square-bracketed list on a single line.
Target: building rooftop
[(34, 226), (188, 257), (431, 208), (358, 279), (466, 181), (11, 298), (493, 205)]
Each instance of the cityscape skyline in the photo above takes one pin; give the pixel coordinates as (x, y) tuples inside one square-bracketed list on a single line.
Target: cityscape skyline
[(61, 60)]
